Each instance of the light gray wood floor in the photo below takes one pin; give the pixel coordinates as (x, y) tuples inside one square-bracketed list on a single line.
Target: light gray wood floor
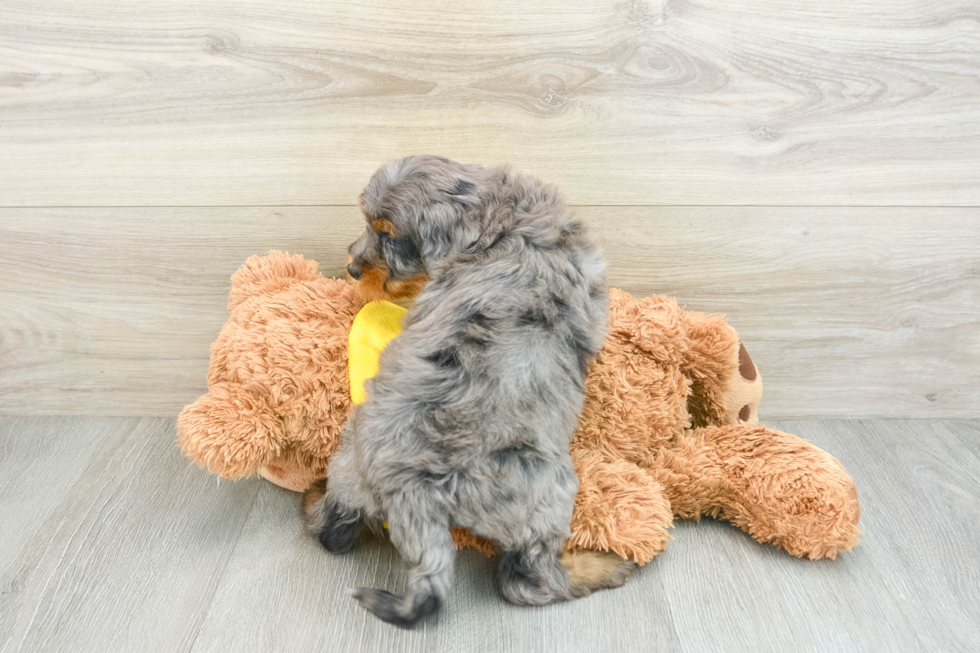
[(111, 541)]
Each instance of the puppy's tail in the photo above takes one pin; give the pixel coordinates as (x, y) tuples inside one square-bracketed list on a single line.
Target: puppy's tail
[(428, 546)]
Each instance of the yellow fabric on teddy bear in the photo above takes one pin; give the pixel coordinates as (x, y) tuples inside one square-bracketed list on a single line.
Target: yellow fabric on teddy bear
[(377, 324)]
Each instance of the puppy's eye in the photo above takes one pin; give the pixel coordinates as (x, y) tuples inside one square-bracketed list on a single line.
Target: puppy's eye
[(387, 242)]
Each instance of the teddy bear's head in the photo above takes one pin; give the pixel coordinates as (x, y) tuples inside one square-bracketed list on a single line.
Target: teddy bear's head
[(278, 390)]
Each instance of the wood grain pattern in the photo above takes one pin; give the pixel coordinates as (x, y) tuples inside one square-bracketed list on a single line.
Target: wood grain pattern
[(967, 431), (143, 552), (920, 496), (305, 602), (867, 312), (93, 302), (130, 555), (277, 102), (41, 460), (713, 589)]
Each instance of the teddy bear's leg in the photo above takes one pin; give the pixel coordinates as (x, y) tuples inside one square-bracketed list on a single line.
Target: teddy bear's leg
[(230, 431), (619, 508), (726, 386), (775, 486)]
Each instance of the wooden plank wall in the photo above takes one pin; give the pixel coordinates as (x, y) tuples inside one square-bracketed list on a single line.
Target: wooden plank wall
[(812, 170)]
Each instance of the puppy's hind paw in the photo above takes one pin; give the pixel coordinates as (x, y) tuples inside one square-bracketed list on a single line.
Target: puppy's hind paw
[(336, 526)]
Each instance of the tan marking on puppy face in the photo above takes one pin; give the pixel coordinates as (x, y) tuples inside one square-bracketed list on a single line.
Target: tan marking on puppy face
[(371, 285), (374, 284), (383, 226), (407, 288)]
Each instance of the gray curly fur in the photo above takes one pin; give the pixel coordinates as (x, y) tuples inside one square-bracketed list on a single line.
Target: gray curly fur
[(469, 419)]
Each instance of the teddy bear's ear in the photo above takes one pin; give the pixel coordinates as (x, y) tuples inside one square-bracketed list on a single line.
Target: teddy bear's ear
[(654, 324), (270, 273)]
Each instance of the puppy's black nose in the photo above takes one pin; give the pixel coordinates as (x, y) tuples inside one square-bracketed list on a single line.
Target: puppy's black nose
[(354, 271)]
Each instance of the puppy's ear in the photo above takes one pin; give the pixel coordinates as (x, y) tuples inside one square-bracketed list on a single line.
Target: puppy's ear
[(443, 231), (381, 183), (463, 191)]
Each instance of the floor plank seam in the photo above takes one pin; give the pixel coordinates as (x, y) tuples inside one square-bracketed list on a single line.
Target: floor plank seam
[(224, 571)]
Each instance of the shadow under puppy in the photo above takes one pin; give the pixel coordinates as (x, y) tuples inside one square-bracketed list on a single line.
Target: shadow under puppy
[(469, 418)]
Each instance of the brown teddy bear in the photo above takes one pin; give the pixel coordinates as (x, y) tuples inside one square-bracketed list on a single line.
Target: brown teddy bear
[(669, 426)]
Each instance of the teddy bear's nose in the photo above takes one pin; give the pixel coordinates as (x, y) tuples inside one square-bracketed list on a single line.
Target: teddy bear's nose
[(354, 271)]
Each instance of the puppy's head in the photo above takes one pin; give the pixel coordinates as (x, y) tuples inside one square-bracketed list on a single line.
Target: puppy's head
[(418, 211)]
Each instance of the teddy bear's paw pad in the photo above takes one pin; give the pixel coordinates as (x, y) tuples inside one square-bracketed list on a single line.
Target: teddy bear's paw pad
[(745, 365), (744, 391), (745, 414)]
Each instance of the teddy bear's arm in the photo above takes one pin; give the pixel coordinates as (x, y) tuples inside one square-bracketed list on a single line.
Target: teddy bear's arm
[(230, 431), (775, 486)]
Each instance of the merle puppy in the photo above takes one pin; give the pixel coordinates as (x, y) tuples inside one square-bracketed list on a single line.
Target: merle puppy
[(469, 418)]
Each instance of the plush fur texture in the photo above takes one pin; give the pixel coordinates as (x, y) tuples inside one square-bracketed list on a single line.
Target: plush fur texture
[(659, 435), (278, 391), (469, 420)]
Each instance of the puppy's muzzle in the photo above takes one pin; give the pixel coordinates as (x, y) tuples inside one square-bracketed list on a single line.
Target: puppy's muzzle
[(354, 271)]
